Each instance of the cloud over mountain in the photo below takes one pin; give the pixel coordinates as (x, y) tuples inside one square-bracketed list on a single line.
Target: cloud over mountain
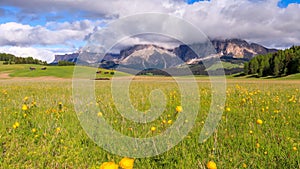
[(65, 22)]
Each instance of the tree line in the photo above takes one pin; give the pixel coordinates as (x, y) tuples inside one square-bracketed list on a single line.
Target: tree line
[(281, 63), (65, 63), (12, 59)]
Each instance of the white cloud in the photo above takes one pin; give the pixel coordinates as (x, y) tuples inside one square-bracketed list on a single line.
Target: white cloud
[(38, 53), (53, 33), (260, 21)]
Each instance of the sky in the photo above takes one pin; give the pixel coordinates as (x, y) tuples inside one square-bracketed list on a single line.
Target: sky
[(43, 28)]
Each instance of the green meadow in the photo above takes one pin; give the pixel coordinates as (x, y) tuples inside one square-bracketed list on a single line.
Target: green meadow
[(259, 127)]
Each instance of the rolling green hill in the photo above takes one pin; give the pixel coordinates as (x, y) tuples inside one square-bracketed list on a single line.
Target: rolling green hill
[(22, 70)]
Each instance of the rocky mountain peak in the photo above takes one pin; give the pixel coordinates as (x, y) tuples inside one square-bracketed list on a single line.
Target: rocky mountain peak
[(150, 55)]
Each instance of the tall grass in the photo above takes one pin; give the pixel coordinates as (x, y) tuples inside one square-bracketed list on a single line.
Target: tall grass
[(49, 134)]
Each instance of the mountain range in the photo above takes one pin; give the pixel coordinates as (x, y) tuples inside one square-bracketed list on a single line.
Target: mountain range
[(149, 56)]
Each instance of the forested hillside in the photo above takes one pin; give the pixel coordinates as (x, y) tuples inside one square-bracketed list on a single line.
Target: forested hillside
[(283, 62), (12, 59)]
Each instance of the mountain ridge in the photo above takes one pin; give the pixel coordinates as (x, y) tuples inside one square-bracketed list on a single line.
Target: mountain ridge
[(149, 55)]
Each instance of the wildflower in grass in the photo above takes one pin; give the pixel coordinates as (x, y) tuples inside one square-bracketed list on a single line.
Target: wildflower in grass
[(109, 165), (25, 99), (153, 129), (57, 129), (295, 148), (257, 145), (164, 121), (33, 130), (227, 109), (60, 106), (244, 165), (265, 152), (276, 111), (33, 103), (251, 132), (16, 125), (100, 114), (126, 163), (178, 109), (170, 122), (211, 165), (24, 115), (24, 107), (259, 121)]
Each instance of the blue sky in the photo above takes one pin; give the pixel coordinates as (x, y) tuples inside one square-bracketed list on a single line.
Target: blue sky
[(285, 3), (282, 3), (53, 27), (12, 14)]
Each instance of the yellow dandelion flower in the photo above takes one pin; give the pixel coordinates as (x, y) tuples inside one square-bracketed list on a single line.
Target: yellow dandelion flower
[(109, 165), (16, 125), (170, 122), (33, 103), (178, 109), (227, 109), (244, 100), (244, 165), (211, 165), (57, 129), (100, 114), (25, 99), (276, 111), (153, 129), (257, 145), (126, 163), (295, 148), (265, 152), (33, 130), (24, 107), (259, 121), (164, 121)]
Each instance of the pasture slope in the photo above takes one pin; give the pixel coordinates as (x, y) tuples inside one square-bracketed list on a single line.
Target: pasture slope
[(40, 129)]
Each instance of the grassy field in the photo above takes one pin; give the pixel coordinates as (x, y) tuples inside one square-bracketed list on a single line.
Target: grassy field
[(48, 133), (225, 65), (23, 70)]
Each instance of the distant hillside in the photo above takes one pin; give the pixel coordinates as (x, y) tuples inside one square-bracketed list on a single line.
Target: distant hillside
[(281, 63), (12, 59)]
